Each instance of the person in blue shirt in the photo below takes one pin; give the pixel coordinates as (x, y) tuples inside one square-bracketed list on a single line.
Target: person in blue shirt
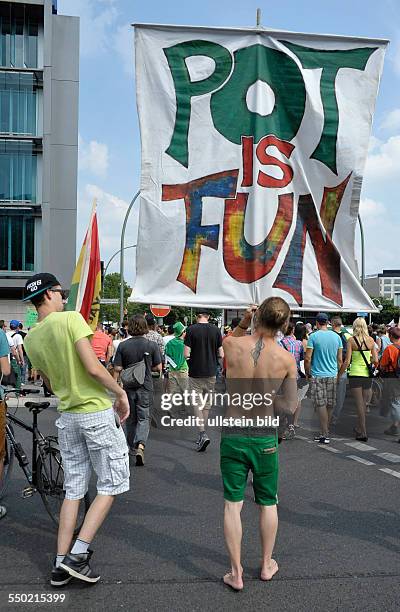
[(5, 370), (322, 362)]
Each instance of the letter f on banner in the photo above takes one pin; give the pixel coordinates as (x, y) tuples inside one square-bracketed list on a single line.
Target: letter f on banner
[(219, 185)]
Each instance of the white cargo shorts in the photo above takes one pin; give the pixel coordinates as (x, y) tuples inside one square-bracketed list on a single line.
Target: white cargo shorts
[(92, 441)]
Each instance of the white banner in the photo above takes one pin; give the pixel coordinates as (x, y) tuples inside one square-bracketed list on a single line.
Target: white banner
[(253, 150)]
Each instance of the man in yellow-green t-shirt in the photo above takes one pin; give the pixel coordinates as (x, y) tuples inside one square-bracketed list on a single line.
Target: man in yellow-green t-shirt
[(89, 429)]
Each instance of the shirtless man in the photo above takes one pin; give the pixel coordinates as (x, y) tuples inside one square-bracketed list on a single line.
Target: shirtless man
[(261, 364)]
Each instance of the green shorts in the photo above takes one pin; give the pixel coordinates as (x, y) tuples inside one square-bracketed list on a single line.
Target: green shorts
[(239, 454)]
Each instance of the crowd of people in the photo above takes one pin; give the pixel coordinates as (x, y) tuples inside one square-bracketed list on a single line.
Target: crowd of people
[(265, 351)]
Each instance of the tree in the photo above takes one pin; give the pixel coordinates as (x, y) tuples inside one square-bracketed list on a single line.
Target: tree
[(111, 289), (388, 312)]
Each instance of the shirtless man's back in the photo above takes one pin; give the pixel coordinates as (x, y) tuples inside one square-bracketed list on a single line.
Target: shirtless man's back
[(257, 364)]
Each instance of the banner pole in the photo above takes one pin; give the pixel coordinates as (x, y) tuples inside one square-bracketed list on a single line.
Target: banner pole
[(258, 17)]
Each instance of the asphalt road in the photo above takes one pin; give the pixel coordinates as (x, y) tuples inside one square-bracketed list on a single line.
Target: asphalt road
[(162, 546)]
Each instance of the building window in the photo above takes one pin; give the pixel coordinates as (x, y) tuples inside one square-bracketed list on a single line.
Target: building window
[(19, 27), (17, 243), (18, 103), (17, 171)]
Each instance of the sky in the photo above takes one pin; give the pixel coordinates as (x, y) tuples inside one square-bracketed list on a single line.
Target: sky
[(109, 139)]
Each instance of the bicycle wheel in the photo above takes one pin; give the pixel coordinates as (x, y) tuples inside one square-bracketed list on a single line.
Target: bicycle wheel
[(8, 464), (377, 392), (50, 483)]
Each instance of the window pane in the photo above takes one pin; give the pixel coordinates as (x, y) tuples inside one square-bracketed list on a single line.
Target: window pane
[(17, 103), (19, 34), (3, 243), (29, 244), (17, 171), (31, 46), (17, 243)]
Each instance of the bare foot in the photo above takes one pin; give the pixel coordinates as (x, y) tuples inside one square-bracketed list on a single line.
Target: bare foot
[(268, 571), (235, 582)]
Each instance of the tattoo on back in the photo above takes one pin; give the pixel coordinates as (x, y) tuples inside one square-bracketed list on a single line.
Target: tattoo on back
[(255, 353)]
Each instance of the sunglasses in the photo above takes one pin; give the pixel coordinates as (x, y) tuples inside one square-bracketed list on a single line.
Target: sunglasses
[(63, 292)]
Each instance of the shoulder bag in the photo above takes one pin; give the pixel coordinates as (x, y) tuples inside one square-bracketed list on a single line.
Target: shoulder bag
[(370, 367)]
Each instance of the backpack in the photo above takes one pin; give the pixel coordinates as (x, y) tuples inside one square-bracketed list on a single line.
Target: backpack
[(397, 368), (344, 344), (134, 375), (395, 373)]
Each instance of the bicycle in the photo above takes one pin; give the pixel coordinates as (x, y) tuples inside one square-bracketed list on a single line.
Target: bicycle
[(45, 475)]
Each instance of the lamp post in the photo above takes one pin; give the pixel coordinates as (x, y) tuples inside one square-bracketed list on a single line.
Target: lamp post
[(131, 246), (362, 251), (379, 306), (121, 263)]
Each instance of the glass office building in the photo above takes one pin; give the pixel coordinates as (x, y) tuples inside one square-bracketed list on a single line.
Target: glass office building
[(38, 144)]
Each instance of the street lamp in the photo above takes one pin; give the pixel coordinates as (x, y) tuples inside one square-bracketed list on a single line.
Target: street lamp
[(378, 305), (131, 246), (362, 251), (121, 264)]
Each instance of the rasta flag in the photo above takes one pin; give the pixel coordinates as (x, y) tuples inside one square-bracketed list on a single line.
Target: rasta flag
[(85, 291), (254, 144)]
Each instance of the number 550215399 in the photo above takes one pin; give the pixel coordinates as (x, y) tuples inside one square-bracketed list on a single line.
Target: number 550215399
[(36, 597)]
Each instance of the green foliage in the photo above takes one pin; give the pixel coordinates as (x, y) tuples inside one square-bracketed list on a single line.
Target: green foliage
[(111, 288), (388, 312)]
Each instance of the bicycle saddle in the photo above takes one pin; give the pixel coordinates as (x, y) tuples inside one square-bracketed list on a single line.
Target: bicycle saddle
[(37, 406)]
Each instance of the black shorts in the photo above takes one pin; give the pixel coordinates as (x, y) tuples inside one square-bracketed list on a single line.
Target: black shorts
[(360, 381)]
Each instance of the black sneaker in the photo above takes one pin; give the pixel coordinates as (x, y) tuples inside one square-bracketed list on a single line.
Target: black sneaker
[(324, 440), (317, 437), (78, 567), (59, 576), (203, 442)]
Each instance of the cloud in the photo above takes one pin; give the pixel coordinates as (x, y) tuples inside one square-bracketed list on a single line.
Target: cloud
[(378, 206), (392, 120), (369, 209), (97, 23), (124, 46), (93, 157), (383, 164), (111, 211), (395, 57)]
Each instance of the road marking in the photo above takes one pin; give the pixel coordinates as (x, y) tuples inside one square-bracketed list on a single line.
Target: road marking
[(389, 457), (329, 448), (360, 460), (303, 438), (338, 439), (391, 472), (361, 446)]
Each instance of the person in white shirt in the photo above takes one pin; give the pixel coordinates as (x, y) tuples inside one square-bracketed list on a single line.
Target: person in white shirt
[(170, 335), (17, 355)]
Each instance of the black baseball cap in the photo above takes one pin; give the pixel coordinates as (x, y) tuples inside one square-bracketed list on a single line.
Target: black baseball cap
[(322, 317), (38, 284)]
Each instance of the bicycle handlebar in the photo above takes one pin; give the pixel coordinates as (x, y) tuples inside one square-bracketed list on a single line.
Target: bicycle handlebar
[(21, 392)]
